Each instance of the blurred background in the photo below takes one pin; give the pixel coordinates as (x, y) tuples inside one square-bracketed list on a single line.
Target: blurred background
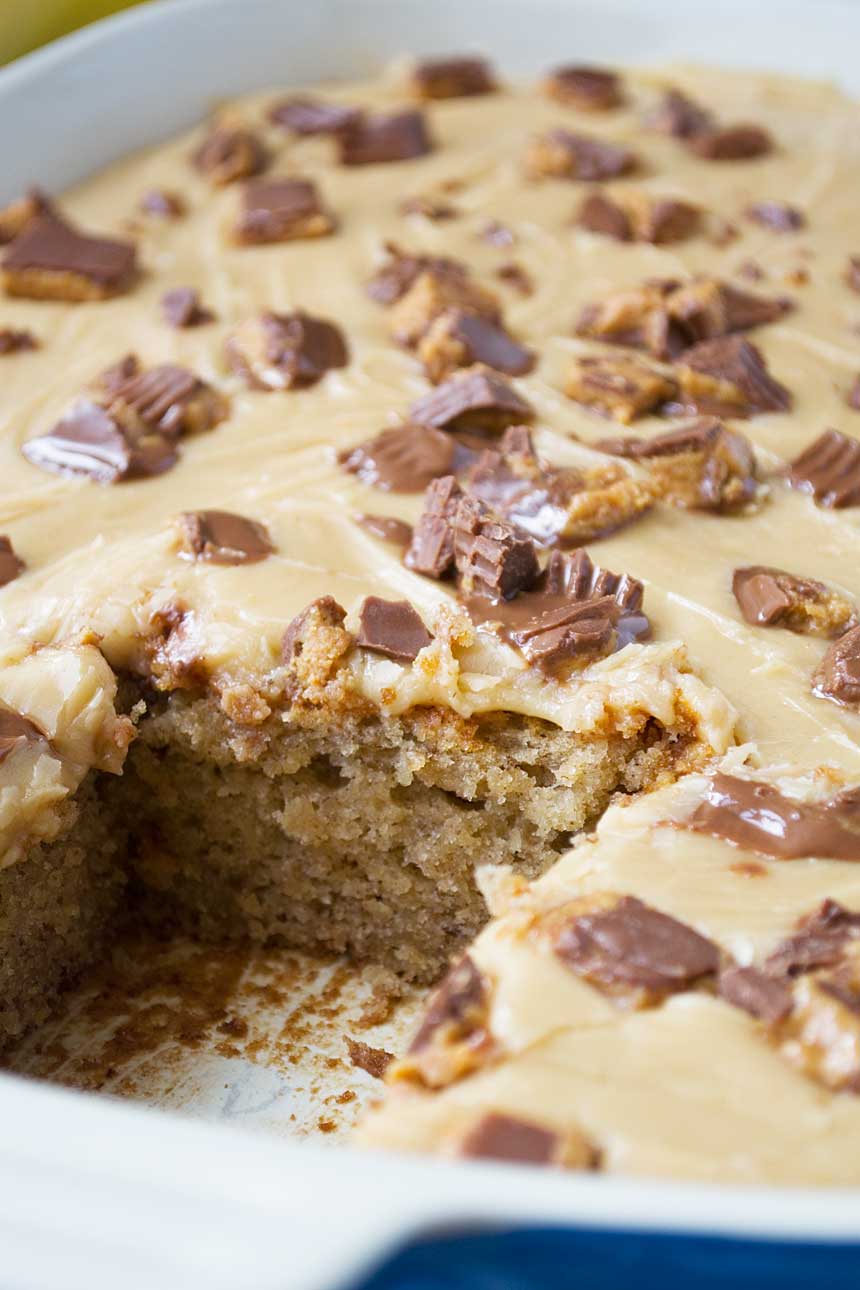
[(26, 24)]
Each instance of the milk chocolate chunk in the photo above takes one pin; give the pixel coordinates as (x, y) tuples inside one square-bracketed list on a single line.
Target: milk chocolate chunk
[(16, 733), (373, 140), (17, 214), (625, 947), (730, 143), (765, 997), (14, 340), (770, 597), (50, 260), (679, 116), (167, 398), (304, 115), (508, 1138), (756, 816), (182, 307), (10, 563), (280, 210), (431, 550), (707, 308), (386, 527), (286, 351), (493, 560), (779, 216), (453, 1037), (452, 78), (459, 338), (476, 399), (621, 387), (89, 441), (819, 941), (600, 214), (591, 89), (728, 376), (701, 466), (162, 202), (402, 460), (561, 154), (433, 294), (400, 270), (392, 628), (220, 537), (838, 674), (229, 152), (822, 1034), (829, 469)]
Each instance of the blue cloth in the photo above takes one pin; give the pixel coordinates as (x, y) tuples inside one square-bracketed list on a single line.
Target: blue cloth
[(584, 1259)]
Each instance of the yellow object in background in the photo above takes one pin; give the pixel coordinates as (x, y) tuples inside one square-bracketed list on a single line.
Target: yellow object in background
[(26, 24)]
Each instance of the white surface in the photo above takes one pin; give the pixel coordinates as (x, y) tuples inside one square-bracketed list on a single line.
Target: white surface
[(96, 1195)]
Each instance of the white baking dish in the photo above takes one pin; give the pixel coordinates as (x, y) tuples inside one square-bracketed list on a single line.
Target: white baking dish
[(99, 1195)]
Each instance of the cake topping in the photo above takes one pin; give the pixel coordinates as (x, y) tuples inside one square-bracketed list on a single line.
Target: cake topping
[(774, 598), (453, 1038), (278, 210), (50, 260), (679, 116), (638, 217), (433, 293), (494, 1136), (89, 441), (392, 628), (730, 142), (301, 114), (838, 675), (628, 948), (16, 733), (386, 527), (286, 351), (162, 202), (618, 386), (229, 152), (493, 560), (220, 537), (829, 469), (590, 89), (10, 563), (476, 399), (399, 136), (402, 460), (431, 550), (819, 941), (459, 338), (561, 154), (14, 340), (400, 269), (451, 78), (168, 398), (763, 996), (182, 308), (728, 376), (756, 816), (703, 465), (778, 216), (19, 213)]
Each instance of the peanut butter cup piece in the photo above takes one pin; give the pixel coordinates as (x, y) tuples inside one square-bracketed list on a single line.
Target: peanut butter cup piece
[(639, 217), (286, 351), (50, 260), (458, 338), (89, 441), (821, 1035), (221, 537), (388, 528), (852, 273), (728, 376), (600, 214), (678, 115), (378, 139), (764, 997), (163, 202), (431, 550), (621, 387), (401, 268), (819, 940), (182, 307), (10, 563), (740, 142), (301, 114), (392, 628), (561, 154), (508, 1138), (281, 210), (15, 216), (829, 470), (590, 89), (432, 208), (17, 732), (167, 398), (434, 293), (838, 675), (452, 78), (229, 152), (770, 597), (701, 466), (852, 397), (475, 399), (757, 816), (404, 459), (453, 1037), (14, 340), (516, 277), (493, 560), (779, 216)]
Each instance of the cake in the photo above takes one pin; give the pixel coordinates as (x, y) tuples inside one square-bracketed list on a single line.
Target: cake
[(435, 499)]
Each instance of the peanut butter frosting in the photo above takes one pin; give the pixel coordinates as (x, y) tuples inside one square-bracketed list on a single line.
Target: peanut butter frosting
[(746, 183)]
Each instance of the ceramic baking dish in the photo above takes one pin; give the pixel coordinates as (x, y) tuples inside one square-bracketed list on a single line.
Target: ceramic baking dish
[(98, 1195)]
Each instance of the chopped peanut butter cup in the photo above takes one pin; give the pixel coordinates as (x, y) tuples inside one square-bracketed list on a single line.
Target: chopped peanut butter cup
[(388, 528), (618, 386), (458, 338), (433, 294), (838, 674), (819, 941), (14, 340), (476, 399), (182, 307), (829, 470), (509, 1138), (50, 260), (638, 217), (89, 441), (774, 598), (452, 78), (404, 459), (493, 560), (304, 115), (757, 816), (590, 89), (702, 466), (728, 377), (401, 268), (431, 550), (765, 997), (229, 152), (281, 210), (453, 1037), (168, 398), (17, 214), (779, 216), (561, 154), (679, 116), (11, 564), (220, 537), (374, 140), (286, 351), (392, 628), (730, 142)]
